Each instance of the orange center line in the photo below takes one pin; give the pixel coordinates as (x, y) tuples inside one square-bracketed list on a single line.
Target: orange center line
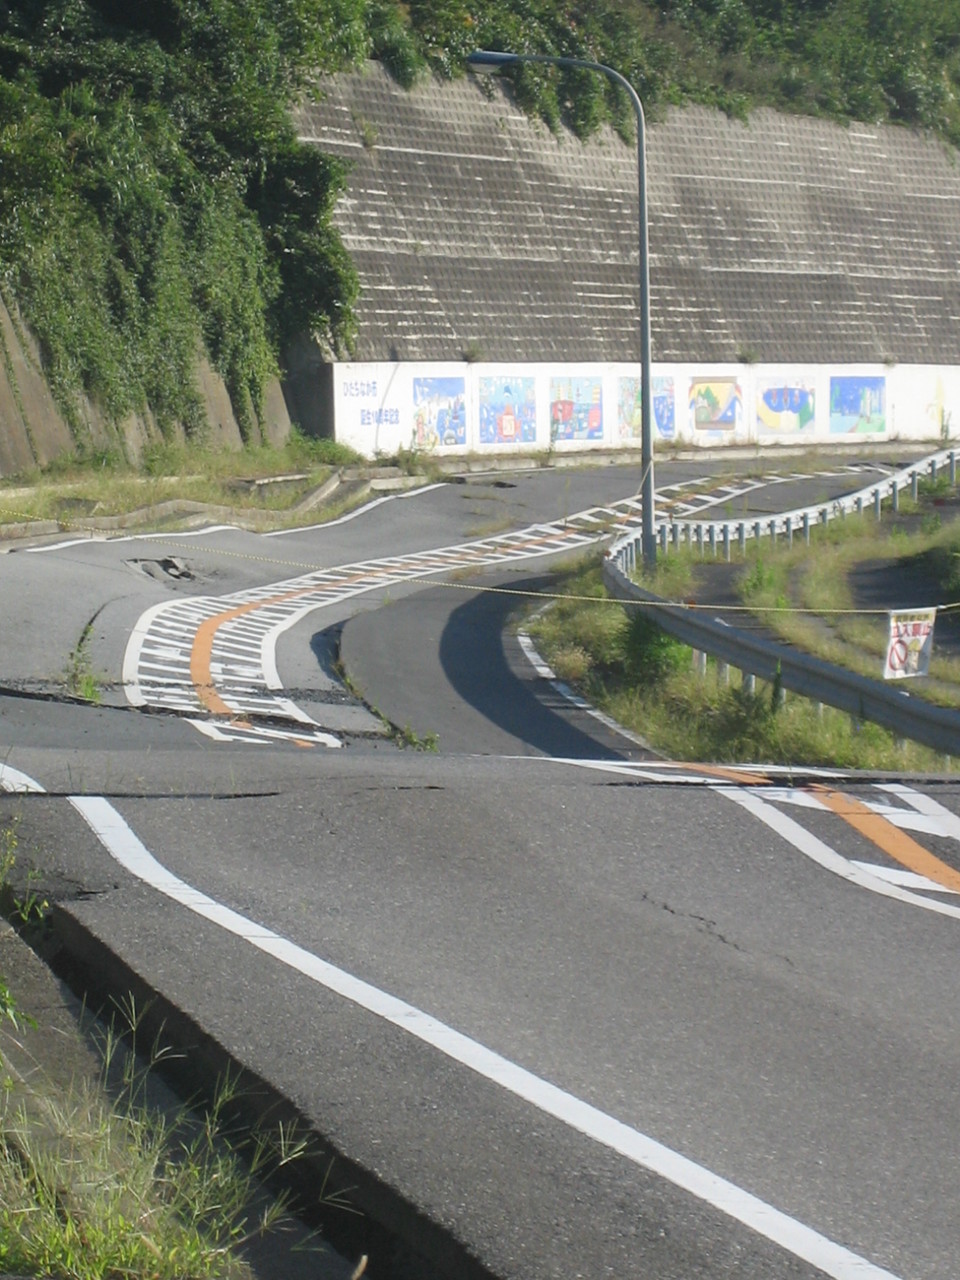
[(742, 776), (201, 651), (888, 838)]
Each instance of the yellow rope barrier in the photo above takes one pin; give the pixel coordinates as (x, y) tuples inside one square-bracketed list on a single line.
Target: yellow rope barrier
[(692, 605)]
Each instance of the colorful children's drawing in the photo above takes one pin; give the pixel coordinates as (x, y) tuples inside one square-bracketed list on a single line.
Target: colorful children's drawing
[(716, 404), (439, 413), (508, 411), (785, 407), (630, 410), (858, 405), (576, 409)]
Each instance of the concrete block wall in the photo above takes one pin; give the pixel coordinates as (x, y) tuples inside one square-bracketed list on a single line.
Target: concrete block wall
[(480, 235)]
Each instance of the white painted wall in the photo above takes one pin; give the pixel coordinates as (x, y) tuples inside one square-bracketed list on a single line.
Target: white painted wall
[(454, 408)]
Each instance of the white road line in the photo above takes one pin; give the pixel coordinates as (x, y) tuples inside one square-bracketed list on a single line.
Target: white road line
[(13, 780), (821, 853), (949, 823), (908, 879), (931, 821), (546, 672), (793, 1236), (803, 1242)]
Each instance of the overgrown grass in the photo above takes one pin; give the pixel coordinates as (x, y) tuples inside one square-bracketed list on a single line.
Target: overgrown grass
[(110, 1177), (624, 664), (808, 600), (102, 1181), (223, 478)]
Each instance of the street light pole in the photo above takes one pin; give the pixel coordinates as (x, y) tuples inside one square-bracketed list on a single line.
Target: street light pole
[(490, 58)]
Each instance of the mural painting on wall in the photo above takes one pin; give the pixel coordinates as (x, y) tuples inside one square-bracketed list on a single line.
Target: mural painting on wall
[(716, 404), (936, 412), (576, 409), (439, 412), (785, 406), (508, 411), (858, 405), (630, 413)]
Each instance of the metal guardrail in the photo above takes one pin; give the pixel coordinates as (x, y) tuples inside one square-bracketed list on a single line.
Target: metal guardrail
[(718, 535), (866, 699)]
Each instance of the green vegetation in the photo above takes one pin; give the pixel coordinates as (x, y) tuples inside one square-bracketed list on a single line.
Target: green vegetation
[(625, 665), (10, 1011), (809, 601), (103, 1182), (107, 486), (108, 1177), (155, 199)]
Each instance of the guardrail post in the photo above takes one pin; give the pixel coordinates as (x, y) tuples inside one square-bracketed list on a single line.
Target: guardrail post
[(788, 528), (713, 541), (742, 538), (749, 683), (676, 536), (859, 504), (824, 516), (726, 542), (877, 499), (663, 538), (700, 662), (895, 496), (773, 531), (806, 527), (933, 471), (914, 485), (953, 470), (756, 532), (723, 672)]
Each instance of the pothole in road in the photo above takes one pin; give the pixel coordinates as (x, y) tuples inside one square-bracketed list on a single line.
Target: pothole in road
[(170, 567)]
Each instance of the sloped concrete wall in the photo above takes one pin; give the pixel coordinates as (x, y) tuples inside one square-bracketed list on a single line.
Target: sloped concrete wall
[(479, 235), (34, 432)]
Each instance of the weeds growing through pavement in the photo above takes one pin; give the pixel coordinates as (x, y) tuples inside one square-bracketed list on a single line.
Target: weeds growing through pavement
[(81, 680)]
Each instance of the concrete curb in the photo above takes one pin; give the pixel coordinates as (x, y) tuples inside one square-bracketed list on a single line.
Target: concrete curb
[(401, 1243)]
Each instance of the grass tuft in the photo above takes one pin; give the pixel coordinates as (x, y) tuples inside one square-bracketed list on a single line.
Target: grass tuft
[(104, 1181)]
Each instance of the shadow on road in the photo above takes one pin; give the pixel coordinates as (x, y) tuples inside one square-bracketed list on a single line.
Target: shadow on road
[(484, 664)]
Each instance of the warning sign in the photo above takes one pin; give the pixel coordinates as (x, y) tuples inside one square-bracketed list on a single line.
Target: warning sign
[(910, 644)]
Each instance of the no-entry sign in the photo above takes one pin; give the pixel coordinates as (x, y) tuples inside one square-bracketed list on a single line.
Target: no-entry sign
[(910, 643)]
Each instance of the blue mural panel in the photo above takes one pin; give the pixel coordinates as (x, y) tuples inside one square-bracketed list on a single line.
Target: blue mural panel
[(508, 411), (858, 405), (662, 408), (439, 412), (787, 406)]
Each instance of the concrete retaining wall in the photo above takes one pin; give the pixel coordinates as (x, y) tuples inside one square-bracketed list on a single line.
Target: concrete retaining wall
[(479, 235)]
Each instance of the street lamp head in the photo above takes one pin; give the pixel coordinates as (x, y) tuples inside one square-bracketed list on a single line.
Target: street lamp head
[(491, 59)]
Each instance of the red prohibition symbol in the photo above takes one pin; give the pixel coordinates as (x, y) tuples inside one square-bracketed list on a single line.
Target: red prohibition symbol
[(898, 655)]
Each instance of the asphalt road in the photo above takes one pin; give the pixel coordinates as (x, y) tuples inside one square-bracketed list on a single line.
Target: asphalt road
[(558, 1008)]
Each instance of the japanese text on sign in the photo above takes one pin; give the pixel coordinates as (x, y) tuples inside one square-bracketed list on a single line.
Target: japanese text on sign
[(910, 643)]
